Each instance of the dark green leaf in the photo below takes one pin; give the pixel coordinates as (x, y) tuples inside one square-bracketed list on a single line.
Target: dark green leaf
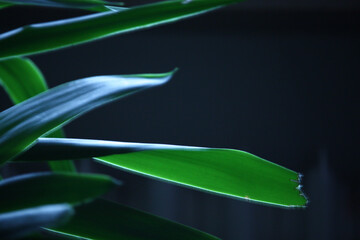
[(224, 171), (36, 189), (22, 124), (4, 5), (108, 221), (53, 35), (23, 222), (22, 80), (93, 5)]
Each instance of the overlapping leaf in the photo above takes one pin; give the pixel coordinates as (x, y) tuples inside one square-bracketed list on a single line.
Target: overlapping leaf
[(36, 189), (26, 221), (22, 124), (107, 221), (22, 79), (53, 35), (223, 171)]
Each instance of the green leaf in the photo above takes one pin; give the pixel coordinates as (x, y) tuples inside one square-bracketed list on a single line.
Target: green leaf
[(23, 123), (107, 221), (4, 5), (227, 172), (36, 189), (93, 5), (38, 38), (22, 79), (23, 222)]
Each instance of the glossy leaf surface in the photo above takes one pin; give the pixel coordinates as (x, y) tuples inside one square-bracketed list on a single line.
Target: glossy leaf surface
[(37, 38), (22, 79), (35, 189), (107, 221), (223, 171), (23, 123), (26, 221)]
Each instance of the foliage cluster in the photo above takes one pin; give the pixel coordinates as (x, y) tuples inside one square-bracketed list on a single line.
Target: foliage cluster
[(66, 204)]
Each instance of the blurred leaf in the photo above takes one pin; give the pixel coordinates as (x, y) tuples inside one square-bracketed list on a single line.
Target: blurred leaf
[(107, 221), (93, 5), (20, 223), (4, 5), (23, 123), (35, 189), (22, 79), (43, 37), (223, 171)]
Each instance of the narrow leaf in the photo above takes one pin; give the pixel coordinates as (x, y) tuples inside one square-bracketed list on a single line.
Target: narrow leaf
[(22, 79), (93, 5), (43, 37), (36, 189), (22, 124), (20, 223), (107, 221), (223, 171)]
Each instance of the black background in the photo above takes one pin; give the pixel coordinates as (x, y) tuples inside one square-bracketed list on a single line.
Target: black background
[(278, 80)]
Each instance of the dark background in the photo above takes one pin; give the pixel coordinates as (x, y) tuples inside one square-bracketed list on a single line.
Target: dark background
[(278, 79)]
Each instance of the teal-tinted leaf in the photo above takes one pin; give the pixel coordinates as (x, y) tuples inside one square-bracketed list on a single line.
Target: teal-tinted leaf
[(223, 171), (107, 221), (36, 189), (23, 222), (22, 79), (23, 123), (94, 5), (53, 35)]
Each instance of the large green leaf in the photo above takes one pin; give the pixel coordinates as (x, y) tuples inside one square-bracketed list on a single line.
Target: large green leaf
[(26, 221), (22, 80), (53, 35), (93, 5), (107, 221), (36, 189), (23, 123), (223, 171)]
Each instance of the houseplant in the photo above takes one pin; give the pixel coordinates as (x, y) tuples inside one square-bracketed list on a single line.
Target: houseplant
[(23, 129)]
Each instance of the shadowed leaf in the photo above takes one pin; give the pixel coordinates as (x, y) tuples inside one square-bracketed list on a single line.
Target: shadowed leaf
[(20, 223), (107, 221), (35, 189)]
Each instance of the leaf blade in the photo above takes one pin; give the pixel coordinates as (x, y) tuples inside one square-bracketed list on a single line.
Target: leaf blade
[(106, 220), (226, 172), (51, 188), (22, 124), (22, 79), (92, 5), (38, 38), (24, 222)]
